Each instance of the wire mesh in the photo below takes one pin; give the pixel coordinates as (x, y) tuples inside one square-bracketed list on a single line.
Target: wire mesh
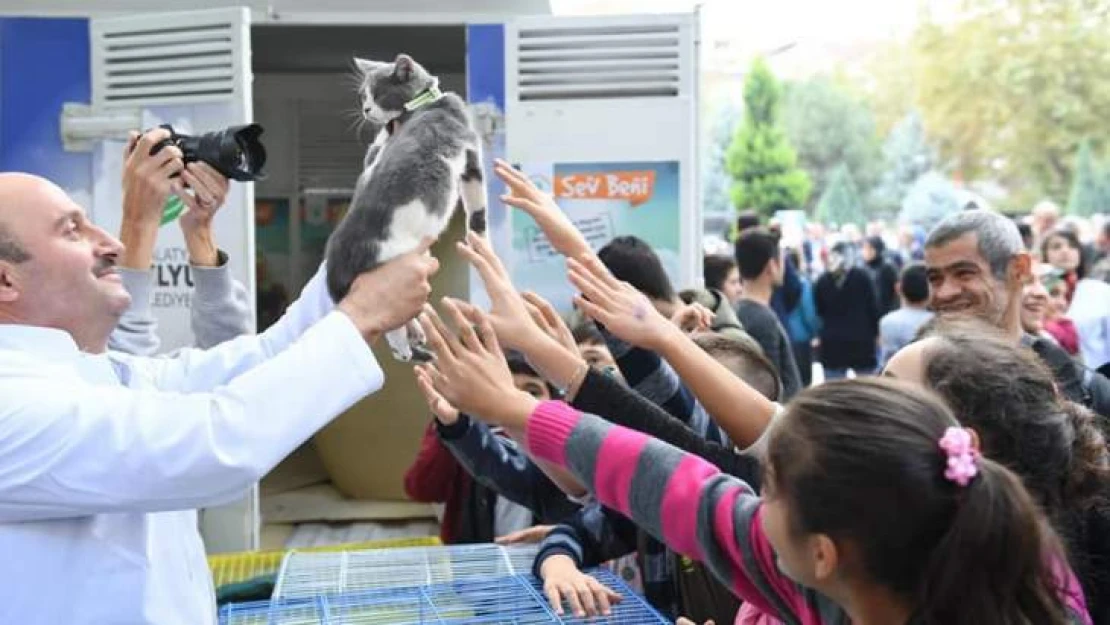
[(305, 574), (229, 568), (513, 599)]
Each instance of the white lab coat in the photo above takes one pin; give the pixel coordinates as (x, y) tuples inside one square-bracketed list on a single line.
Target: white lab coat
[(104, 458)]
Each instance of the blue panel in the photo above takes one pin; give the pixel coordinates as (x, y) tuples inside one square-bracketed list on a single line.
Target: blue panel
[(485, 64), (43, 63)]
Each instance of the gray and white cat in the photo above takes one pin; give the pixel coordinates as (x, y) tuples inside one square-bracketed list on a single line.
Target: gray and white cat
[(425, 161)]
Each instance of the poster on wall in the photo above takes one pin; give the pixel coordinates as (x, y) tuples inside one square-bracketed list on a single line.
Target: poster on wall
[(604, 200)]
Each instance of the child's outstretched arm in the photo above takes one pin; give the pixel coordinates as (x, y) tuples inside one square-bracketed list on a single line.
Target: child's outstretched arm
[(679, 498), (739, 409)]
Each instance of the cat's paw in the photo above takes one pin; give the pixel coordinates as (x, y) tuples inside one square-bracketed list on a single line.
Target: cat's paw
[(401, 355), (421, 354)]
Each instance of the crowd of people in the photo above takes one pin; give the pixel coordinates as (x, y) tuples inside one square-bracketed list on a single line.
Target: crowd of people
[(951, 469), (968, 483), (830, 277)]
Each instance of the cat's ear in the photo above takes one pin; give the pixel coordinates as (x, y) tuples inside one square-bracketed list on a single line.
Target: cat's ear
[(365, 66), (404, 67)]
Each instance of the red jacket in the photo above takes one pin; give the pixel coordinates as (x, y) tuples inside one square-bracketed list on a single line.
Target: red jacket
[(436, 477)]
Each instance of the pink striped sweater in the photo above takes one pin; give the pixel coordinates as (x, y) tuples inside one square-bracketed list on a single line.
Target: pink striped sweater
[(693, 507)]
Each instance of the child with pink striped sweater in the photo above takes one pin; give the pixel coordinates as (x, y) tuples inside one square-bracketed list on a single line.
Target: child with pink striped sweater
[(877, 507)]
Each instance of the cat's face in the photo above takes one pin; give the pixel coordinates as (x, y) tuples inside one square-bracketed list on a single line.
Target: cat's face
[(386, 87)]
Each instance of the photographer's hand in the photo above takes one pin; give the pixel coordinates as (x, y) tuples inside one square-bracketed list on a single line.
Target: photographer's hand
[(208, 191), (147, 183)]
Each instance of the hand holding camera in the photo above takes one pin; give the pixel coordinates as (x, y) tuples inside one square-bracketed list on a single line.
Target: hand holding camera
[(150, 174)]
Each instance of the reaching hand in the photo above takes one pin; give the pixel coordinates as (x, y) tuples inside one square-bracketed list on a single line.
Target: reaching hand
[(209, 191), (508, 314), (470, 372), (586, 596), (547, 318), (623, 310), (560, 232), (693, 318), (527, 536), (444, 412)]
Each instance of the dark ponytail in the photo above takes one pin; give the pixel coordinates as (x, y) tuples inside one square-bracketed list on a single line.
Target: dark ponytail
[(860, 462), (994, 564)]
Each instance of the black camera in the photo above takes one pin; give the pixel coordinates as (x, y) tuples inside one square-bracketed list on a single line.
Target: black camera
[(235, 152)]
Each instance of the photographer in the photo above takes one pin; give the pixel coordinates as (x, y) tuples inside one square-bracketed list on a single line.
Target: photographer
[(220, 308)]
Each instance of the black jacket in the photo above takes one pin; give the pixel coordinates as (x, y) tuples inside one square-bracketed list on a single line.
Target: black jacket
[(1077, 382), (849, 311)]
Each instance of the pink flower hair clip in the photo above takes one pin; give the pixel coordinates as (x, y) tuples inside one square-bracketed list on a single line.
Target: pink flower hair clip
[(962, 456)]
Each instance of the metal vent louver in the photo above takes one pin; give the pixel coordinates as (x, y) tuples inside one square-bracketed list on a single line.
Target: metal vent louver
[(329, 150), (599, 61), (168, 59)]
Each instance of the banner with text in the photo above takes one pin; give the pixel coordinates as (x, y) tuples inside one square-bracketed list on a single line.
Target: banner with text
[(604, 200)]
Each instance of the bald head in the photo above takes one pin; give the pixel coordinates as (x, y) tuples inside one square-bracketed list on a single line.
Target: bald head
[(19, 195), (57, 269)]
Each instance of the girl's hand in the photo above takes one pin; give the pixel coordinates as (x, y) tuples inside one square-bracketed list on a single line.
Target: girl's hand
[(508, 314), (547, 318), (563, 581), (623, 310), (560, 232), (470, 372)]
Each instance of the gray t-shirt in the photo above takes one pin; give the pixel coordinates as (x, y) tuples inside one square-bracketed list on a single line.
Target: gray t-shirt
[(763, 326), (897, 329)]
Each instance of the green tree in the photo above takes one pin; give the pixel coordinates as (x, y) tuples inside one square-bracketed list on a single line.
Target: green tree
[(760, 160), (907, 155), (931, 198), (830, 127), (840, 203), (1088, 186), (1009, 88), (716, 182)]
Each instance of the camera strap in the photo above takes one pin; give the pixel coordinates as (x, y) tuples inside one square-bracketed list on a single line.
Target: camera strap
[(427, 96)]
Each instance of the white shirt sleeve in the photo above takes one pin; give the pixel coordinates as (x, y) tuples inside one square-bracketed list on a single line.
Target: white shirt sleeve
[(75, 449), (192, 370)]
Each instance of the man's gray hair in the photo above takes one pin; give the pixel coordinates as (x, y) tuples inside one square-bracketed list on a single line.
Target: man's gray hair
[(998, 237), (10, 249)]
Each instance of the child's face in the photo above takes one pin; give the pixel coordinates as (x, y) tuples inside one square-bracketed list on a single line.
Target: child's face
[(532, 385), (808, 560), (598, 356)]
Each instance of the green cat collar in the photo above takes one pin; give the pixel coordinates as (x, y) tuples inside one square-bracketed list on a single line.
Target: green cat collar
[(427, 96), (172, 209)]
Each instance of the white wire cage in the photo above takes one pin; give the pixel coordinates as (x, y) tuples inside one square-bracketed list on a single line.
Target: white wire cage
[(305, 574), (455, 585)]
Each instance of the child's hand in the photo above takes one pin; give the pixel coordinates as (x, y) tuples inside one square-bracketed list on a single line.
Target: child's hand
[(471, 373), (548, 320), (693, 318), (508, 314), (563, 581), (444, 412), (560, 232), (623, 310)]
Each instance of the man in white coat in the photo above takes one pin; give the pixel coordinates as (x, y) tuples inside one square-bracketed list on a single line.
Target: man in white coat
[(105, 457)]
